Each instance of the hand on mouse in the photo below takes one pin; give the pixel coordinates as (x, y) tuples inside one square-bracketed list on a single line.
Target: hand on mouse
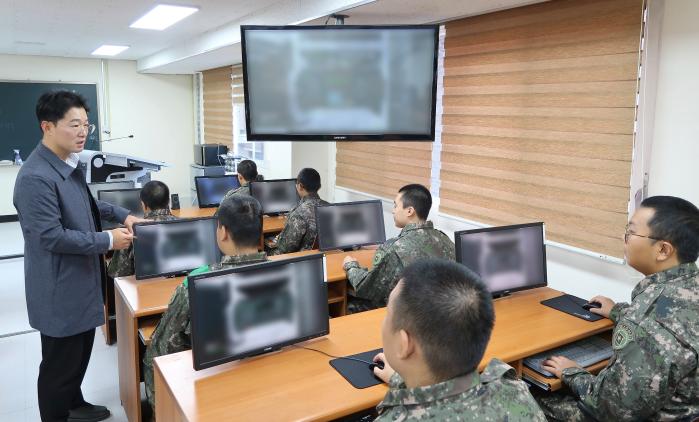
[(387, 372), (606, 307)]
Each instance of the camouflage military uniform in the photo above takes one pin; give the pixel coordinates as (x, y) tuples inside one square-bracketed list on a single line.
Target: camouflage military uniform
[(300, 230), (172, 334), (495, 395), (244, 189), (653, 372), (416, 240), (121, 264)]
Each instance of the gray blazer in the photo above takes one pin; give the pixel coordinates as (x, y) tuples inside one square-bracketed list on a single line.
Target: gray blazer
[(62, 245)]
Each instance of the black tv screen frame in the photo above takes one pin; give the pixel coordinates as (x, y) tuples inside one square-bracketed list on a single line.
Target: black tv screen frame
[(505, 292), (340, 137), (198, 364)]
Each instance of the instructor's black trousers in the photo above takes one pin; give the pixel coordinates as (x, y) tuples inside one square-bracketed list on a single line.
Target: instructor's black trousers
[(63, 364)]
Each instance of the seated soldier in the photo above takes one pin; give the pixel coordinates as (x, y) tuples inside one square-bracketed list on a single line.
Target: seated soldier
[(155, 201), (652, 374), (417, 239), (300, 231), (247, 172), (238, 237), (437, 326)]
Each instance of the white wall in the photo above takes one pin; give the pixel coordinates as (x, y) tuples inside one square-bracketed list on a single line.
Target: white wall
[(674, 169), (157, 109), (320, 156)]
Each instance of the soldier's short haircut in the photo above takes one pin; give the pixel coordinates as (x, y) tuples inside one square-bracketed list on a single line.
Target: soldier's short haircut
[(676, 221), (52, 106), (418, 197), (248, 170), (309, 179), (155, 195), (449, 310), (241, 216)]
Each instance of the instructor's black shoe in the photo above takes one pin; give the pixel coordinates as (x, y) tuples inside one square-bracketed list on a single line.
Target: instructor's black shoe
[(88, 413)]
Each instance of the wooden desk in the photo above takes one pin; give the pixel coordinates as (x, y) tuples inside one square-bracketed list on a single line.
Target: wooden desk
[(270, 225), (297, 384), (138, 301)]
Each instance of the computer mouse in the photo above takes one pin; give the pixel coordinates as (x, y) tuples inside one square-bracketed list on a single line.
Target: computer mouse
[(590, 305), (378, 364)]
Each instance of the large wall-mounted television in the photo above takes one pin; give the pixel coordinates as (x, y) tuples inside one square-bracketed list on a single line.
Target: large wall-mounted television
[(340, 83)]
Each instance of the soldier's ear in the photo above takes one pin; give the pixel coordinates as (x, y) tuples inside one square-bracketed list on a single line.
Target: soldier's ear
[(666, 251), (407, 345)]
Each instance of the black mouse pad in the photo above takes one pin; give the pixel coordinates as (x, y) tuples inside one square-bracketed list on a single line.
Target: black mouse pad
[(571, 305), (357, 373)]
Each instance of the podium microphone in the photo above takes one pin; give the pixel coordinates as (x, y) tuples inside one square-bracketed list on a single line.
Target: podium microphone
[(116, 139)]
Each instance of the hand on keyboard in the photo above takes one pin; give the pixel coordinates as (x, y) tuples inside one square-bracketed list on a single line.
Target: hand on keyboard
[(556, 365)]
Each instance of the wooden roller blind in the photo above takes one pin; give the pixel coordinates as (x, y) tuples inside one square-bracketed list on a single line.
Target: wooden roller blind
[(218, 105), (538, 122), (381, 168)]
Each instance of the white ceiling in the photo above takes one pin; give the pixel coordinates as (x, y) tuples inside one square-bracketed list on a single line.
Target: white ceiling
[(207, 39)]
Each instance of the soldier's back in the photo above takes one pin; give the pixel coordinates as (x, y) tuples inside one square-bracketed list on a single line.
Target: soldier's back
[(423, 242), (499, 396)]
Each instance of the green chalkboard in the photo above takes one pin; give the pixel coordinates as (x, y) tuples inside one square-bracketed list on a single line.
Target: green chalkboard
[(19, 128)]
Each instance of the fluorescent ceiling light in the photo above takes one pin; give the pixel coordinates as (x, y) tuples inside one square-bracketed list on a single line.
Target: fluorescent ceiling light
[(109, 50), (162, 16)]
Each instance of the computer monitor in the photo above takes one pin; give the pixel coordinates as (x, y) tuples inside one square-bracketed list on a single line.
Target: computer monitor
[(508, 258), (276, 196), (258, 308), (98, 186), (350, 224), (164, 248), (125, 198), (210, 189)]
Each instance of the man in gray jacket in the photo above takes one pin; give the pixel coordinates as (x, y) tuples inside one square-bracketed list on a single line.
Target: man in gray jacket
[(63, 247)]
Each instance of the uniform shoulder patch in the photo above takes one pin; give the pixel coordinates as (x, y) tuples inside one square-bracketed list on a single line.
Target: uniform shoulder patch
[(623, 335), (378, 256)]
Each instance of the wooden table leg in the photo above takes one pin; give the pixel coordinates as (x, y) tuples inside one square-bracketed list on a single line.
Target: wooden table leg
[(129, 366)]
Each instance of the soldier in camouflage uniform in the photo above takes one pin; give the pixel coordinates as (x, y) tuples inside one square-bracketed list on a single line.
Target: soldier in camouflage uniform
[(417, 239), (238, 236), (247, 172), (300, 231), (653, 371), (437, 326), (155, 200)]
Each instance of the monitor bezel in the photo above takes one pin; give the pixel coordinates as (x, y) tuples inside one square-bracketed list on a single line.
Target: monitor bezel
[(193, 305), (135, 213), (196, 187), (177, 221), (340, 204), (298, 198), (385, 137), (457, 242)]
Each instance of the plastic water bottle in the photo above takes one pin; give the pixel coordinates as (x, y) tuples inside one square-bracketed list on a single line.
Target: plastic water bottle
[(18, 159)]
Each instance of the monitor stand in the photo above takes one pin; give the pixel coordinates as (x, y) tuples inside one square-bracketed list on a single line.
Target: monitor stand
[(502, 295), (178, 274)]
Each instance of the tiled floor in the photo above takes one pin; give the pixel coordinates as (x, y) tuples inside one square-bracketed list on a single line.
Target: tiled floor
[(20, 354)]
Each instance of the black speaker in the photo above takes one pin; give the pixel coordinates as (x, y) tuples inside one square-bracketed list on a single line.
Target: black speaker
[(175, 201)]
